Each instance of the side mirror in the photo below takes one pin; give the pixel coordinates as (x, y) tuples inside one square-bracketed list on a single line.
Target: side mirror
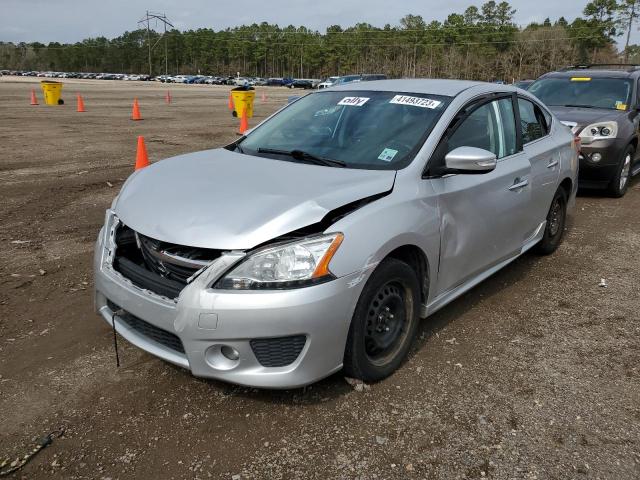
[(470, 160)]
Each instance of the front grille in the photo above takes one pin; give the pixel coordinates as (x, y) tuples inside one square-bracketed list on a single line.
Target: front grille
[(277, 352), (148, 330), (160, 267)]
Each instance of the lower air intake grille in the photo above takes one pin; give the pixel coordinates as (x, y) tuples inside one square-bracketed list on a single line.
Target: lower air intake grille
[(149, 331), (278, 352)]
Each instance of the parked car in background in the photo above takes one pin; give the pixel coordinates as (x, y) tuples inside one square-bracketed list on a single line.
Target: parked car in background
[(306, 83), (346, 79), (523, 84), (328, 82), (368, 77), (601, 104), (421, 189), (241, 81)]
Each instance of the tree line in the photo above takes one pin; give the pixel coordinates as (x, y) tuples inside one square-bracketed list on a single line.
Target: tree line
[(480, 43)]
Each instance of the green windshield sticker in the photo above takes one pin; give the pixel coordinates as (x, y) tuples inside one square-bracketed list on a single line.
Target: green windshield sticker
[(387, 154)]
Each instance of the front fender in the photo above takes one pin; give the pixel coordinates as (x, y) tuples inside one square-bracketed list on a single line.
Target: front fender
[(394, 221)]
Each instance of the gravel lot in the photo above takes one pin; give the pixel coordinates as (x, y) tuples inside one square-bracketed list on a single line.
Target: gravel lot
[(533, 374)]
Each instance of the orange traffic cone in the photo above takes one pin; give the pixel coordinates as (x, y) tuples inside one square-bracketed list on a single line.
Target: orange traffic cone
[(264, 97), (80, 104), (142, 159), (230, 104), (244, 122), (135, 115), (34, 99), (167, 97)]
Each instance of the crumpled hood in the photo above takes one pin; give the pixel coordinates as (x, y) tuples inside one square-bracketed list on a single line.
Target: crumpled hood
[(586, 116), (224, 200)]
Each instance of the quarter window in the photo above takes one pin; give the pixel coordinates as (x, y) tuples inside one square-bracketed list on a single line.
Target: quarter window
[(490, 127), (532, 121)]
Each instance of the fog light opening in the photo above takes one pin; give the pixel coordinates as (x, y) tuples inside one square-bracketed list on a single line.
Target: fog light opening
[(596, 157), (230, 352), (222, 357)]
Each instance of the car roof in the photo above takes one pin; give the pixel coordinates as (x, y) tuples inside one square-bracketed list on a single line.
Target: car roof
[(449, 88)]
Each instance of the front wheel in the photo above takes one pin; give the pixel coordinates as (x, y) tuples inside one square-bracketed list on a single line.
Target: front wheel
[(556, 220), (620, 182), (384, 322)]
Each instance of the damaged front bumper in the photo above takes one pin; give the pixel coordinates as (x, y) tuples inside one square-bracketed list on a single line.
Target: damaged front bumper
[(271, 339)]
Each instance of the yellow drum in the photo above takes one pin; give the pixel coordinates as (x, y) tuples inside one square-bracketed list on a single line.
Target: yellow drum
[(243, 100), (52, 92)]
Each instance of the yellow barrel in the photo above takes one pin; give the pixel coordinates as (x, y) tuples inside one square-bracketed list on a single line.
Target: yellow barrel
[(52, 92), (243, 100)]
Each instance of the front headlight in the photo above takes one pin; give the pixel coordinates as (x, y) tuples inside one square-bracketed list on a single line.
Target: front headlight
[(298, 264), (599, 131)]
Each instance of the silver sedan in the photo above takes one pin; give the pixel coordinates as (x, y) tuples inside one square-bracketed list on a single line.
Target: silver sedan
[(316, 242)]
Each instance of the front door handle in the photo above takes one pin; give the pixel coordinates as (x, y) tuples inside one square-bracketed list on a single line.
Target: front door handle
[(518, 184), (552, 163)]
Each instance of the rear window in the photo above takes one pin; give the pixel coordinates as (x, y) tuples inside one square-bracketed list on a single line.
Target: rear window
[(532, 121), (584, 92)]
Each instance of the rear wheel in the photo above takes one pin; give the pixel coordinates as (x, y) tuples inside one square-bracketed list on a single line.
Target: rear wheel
[(384, 322), (620, 182), (556, 219)]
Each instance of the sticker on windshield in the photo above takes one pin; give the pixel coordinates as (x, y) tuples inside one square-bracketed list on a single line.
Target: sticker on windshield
[(415, 101), (620, 105), (353, 101), (580, 79), (387, 154)]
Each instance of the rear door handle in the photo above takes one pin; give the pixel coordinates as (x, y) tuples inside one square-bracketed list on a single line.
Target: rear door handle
[(552, 163), (518, 184)]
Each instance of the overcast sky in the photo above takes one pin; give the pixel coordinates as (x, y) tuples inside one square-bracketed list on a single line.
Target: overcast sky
[(74, 20)]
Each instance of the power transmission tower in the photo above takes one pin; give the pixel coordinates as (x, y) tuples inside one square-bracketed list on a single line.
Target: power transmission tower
[(146, 21)]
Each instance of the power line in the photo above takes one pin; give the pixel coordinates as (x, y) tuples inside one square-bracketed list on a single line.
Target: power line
[(158, 17)]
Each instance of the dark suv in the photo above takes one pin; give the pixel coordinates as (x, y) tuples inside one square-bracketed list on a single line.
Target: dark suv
[(601, 103)]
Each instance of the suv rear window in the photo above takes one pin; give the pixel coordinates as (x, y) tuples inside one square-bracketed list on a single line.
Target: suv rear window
[(584, 92)]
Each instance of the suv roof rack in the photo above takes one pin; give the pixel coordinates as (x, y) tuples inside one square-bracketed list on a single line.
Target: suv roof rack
[(629, 67)]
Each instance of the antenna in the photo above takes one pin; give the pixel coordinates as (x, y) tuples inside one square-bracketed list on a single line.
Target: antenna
[(146, 21)]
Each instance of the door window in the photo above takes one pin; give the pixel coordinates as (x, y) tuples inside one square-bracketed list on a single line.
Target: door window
[(490, 127), (532, 121)]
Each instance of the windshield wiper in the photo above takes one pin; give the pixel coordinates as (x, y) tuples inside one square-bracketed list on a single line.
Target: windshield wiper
[(306, 156), (581, 106)]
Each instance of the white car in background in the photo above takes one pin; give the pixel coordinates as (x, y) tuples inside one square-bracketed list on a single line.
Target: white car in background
[(328, 82)]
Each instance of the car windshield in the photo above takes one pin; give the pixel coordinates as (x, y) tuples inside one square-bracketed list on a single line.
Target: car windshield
[(584, 91), (348, 79), (357, 129)]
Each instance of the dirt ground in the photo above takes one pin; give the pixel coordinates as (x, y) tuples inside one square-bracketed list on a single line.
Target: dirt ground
[(535, 374)]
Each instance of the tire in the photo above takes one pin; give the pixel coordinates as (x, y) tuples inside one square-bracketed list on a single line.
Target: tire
[(556, 221), (384, 322), (619, 183)]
